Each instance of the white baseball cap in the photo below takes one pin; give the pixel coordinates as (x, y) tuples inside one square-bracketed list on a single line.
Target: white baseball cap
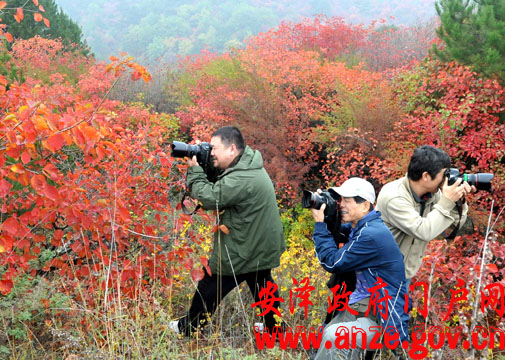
[(356, 186)]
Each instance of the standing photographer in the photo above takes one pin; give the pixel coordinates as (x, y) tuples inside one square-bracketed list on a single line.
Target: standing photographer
[(252, 239), (372, 253), (420, 206)]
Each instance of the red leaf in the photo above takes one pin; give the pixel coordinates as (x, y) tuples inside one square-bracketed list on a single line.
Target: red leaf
[(39, 183), (51, 171), (36, 2), (5, 188), (56, 142), (6, 242), (205, 263), (19, 13), (46, 21), (25, 157), (125, 214), (188, 264), (5, 286), (197, 274), (8, 36), (11, 225), (492, 268), (41, 8), (37, 17), (51, 192), (79, 137), (2, 4)]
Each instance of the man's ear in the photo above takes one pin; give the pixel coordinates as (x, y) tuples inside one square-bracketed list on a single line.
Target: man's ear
[(233, 149), (426, 176)]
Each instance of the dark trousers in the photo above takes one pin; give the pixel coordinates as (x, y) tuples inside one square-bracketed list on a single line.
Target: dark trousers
[(212, 289)]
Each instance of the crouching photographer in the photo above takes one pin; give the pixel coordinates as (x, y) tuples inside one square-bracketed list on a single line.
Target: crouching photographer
[(373, 255), (227, 176)]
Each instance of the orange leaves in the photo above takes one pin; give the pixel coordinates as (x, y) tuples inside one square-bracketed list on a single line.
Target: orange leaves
[(119, 66), (19, 15), (223, 228), (46, 22), (37, 17), (36, 2), (8, 36), (6, 243), (55, 142), (2, 4)]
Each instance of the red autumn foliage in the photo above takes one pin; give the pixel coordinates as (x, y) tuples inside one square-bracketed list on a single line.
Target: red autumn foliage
[(462, 114), (75, 171)]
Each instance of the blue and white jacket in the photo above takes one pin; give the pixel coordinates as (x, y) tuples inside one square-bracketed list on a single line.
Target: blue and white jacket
[(371, 249)]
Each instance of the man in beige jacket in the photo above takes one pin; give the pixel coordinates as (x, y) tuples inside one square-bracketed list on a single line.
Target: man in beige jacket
[(420, 206)]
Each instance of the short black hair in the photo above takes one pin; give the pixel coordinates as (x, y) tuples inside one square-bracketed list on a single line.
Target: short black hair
[(427, 158), (230, 135), (360, 200)]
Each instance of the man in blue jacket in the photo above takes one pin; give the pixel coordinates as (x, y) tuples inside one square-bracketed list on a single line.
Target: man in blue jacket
[(371, 252)]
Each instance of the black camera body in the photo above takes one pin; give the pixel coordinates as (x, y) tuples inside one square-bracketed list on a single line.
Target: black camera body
[(333, 220), (202, 153), (482, 181), (314, 200)]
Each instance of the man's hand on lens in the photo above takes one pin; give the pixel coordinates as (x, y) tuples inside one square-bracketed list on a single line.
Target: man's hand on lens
[(318, 214), (458, 190), (193, 161)]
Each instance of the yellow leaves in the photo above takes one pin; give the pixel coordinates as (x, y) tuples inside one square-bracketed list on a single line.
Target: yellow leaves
[(102, 202), (40, 123)]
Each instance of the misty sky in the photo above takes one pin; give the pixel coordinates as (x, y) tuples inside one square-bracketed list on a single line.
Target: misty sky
[(164, 29)]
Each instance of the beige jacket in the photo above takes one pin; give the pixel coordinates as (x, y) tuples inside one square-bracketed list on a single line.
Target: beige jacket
[(401, 213)]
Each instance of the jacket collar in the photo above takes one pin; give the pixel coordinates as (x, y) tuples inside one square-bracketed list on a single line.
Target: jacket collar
[(418, 199), (372, 215)]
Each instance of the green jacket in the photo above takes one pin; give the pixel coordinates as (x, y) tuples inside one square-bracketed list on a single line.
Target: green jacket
[(245, 198)]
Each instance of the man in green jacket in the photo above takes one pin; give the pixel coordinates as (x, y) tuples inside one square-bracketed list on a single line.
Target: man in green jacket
[(251, 239), (420, 206)]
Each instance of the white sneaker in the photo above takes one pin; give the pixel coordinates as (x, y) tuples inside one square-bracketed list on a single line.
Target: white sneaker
[(258, 327), (174, 326)]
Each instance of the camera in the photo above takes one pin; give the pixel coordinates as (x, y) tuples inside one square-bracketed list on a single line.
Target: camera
[(482, 181), (314, 200), (202, 153), (333, 220)]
